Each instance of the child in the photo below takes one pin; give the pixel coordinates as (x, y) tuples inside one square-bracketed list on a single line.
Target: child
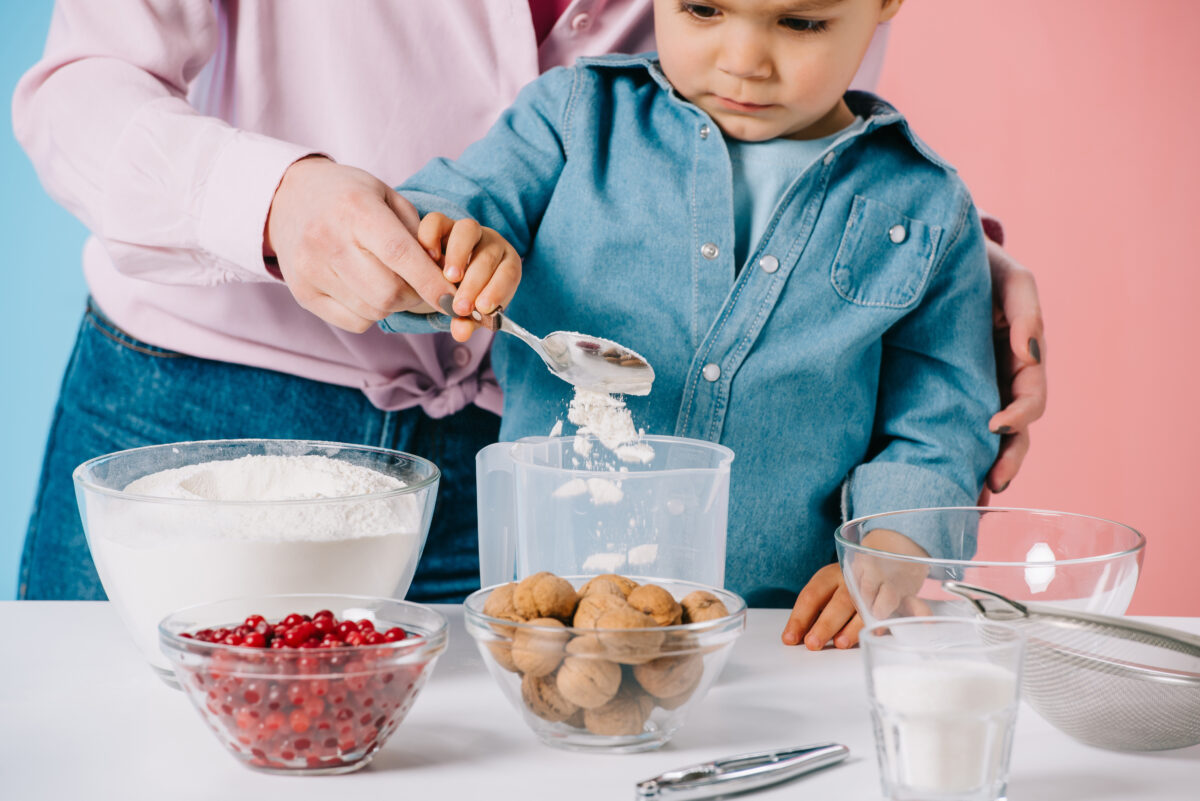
[(807, 278)]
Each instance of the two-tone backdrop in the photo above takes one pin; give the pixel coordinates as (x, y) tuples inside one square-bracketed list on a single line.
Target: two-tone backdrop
[(1073, 121)]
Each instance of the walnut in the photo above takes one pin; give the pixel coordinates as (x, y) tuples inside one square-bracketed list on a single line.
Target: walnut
[(499, 603), (670, 676), (543, 699), (502, 652), (576, 720), (657, 603), (545, 595), (601, 586), (538, 651), (593, 606), (629, 646), (701, 605), (588, 682), (585, 645), (625, 714), (625, 585), (675, 701)]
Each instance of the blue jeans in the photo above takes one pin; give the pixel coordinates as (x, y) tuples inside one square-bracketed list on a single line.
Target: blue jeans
[(121, 393)]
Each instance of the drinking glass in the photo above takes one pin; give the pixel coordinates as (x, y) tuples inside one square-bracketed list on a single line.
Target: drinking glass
[(943, 694)]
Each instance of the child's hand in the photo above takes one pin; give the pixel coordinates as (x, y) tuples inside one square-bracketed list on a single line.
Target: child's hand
[(824, 609), (485, 266)]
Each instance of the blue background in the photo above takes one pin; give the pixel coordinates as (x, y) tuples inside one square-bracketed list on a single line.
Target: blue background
[(41, 299)]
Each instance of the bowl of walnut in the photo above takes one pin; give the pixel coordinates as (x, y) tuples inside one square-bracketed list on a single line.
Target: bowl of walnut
[(604, 663)]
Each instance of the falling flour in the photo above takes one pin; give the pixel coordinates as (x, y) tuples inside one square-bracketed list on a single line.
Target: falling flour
[(607, 419)]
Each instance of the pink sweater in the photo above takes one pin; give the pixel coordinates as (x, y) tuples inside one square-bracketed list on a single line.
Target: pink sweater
[(165, 126)]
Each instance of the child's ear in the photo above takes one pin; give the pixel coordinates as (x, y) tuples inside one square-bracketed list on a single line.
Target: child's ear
[(890, 7)]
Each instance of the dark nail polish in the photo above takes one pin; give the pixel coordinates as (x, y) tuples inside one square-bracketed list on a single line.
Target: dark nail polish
[(1003, 430), (1003, 487), (446, 303), (1034, 350)]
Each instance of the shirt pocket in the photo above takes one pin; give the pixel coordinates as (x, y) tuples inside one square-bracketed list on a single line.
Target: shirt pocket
[(885, 257)]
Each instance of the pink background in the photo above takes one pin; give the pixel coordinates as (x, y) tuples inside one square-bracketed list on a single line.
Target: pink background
[(1075, 122)]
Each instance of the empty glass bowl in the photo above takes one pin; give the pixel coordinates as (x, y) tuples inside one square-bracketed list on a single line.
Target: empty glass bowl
[(309, 710), (895, 563)]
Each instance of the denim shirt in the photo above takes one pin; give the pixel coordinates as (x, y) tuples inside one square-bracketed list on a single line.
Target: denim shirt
[(848, 365)]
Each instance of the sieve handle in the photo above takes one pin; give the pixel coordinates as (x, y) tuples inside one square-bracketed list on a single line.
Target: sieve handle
[(970, 591)]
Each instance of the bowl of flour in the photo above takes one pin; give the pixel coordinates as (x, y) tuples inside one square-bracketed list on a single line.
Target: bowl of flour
[(185, 523)]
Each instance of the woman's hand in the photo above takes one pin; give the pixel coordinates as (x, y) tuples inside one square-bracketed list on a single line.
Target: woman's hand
[(345, 247), (1020, 363)]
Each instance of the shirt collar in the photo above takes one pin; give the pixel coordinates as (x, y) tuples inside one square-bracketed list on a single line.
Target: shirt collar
[(877, 112)]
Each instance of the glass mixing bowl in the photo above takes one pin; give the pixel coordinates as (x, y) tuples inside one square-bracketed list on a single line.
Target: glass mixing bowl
[(1056, 559), (304, 710), (627, 690), (155, 554)]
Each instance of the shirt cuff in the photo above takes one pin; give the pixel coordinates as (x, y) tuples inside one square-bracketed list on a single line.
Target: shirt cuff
[(425, 203), (409, 323), (879, 487), (237, 199)]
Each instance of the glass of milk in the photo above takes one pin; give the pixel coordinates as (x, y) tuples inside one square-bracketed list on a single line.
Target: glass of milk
[(943, 694)]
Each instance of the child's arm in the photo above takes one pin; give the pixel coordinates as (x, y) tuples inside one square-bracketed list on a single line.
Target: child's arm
[(504, 181), (931, 443)]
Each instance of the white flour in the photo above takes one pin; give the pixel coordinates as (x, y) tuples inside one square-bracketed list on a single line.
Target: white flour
[(265, 478), (607, 419), (246, 539)]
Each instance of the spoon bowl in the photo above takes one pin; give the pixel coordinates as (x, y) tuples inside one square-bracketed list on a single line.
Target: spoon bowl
[(588, 362)]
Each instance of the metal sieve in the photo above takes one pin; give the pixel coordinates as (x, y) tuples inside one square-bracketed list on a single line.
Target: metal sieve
[(1106, 681)]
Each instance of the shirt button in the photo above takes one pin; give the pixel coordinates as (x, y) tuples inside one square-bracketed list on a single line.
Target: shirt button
[(581, 22), (461, 356), (829, 157), (709, 251), (711, 372), (769, 264), (897, 234), (704, 131)]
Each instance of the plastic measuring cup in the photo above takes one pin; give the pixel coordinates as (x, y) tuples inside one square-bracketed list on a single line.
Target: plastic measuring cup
[(544, 506)]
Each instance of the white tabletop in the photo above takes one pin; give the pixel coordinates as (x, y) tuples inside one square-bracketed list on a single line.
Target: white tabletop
[(83, 717)]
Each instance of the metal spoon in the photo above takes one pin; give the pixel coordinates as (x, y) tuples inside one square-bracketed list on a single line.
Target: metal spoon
[(588, 362)]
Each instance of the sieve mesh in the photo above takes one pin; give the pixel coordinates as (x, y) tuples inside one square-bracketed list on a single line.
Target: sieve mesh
[(1106, 681)]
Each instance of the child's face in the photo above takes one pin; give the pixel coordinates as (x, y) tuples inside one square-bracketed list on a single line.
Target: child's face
[(764, 69)]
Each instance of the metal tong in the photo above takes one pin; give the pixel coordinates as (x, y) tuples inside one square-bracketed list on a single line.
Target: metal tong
[(739, 774)]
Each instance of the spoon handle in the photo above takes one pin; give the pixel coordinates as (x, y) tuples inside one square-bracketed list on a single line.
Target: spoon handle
[(491, 322)]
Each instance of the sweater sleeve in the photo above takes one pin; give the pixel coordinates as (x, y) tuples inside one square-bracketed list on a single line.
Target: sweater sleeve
[(105, 119)]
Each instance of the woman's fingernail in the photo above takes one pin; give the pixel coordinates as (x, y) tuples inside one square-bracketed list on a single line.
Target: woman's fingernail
[(453, 274), (446, 304), (1003, 430), (1004, 486), (1035, 350)]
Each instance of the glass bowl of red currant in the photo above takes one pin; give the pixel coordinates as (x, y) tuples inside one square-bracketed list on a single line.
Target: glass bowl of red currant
[(303, 684)]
